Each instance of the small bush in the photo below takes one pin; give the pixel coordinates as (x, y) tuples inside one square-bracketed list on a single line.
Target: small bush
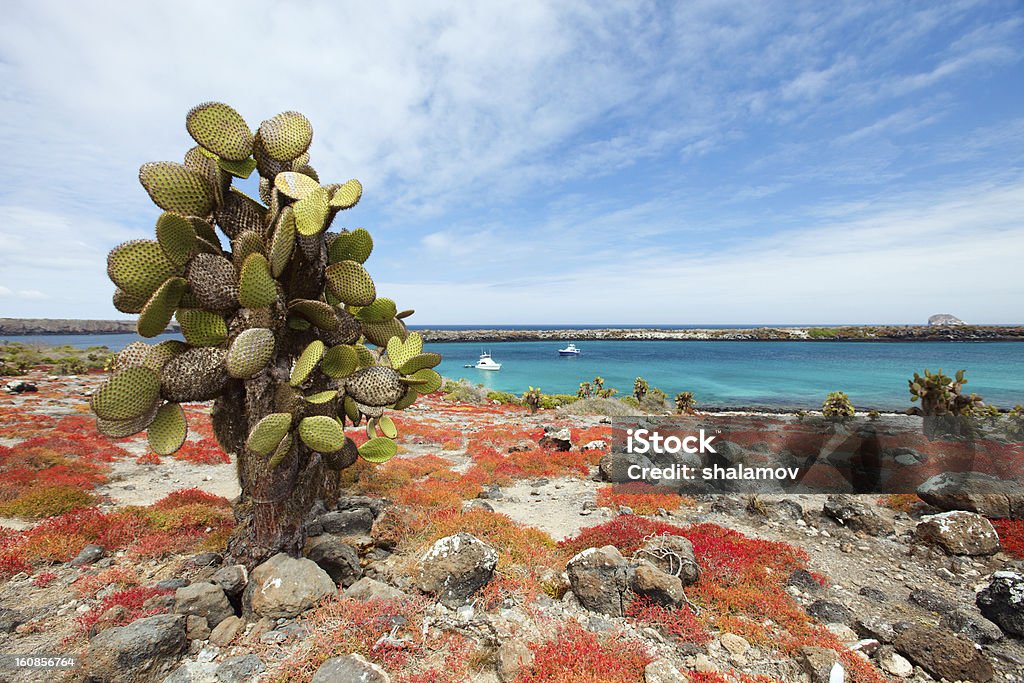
[(464, 392), (597, 406), (47, 501), (837, 406)]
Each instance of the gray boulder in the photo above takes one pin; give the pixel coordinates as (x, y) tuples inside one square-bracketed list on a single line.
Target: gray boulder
[(456, 567), (205, 600), (959, 533), (974, 492), (239, 669), (353, 668), (943, 654), (337, 558), (1002, 602), (615, 467), (599, 577), (146, 650), (371, 589), (286, 587), (232, 579), (353, 522), (672, 555), (853, 514), (559, 440)]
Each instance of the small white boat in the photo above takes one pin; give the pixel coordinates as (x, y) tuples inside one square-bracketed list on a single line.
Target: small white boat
[(569, 350), (487, 363)]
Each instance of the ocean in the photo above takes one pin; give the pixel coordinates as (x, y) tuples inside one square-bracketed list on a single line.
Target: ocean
[(774, 374)]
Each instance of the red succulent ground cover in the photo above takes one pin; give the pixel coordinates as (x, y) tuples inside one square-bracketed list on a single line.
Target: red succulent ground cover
[(642, 498), (575, 655), (1011, 536)]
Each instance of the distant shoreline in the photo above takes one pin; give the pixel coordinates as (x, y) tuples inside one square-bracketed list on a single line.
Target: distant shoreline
[(16, 327)]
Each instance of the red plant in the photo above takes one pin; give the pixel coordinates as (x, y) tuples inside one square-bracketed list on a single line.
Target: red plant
[(193, 496), (1011, 536), (642, 498), (575, 655), (130, 601), (203, 452), (44, 579), (681, 623)]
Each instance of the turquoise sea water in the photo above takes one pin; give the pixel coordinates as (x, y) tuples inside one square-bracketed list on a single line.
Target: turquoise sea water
[(720, 373)]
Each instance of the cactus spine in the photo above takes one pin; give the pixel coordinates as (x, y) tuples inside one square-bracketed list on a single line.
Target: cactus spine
[(277, 323)]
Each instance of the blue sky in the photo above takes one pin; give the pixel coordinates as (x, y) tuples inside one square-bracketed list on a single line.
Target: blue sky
[(559, 162)]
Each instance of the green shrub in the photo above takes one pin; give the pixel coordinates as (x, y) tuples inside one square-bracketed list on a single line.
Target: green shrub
[(685, 402), (837, 406)]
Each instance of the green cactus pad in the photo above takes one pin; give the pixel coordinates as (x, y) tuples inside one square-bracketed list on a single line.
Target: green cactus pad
[(240, 212), (408, 398), (387, 427), (119, 429), (250, 352), (161, 354), (168, 430), (380, 334), (204, 247), (378, 450), (366, 357), (350, 282), (345, 457), (420, 362), (268, 433), (340, 361), (322, 397), (213, 281), (402, 315), (220, 129), (176, 237), (322, 434), (351, 410), (173, 187), (205, 231), (283, 242), (351, 246), (244, 244), (348, 330), (268, 167), (202, 328), (128, 394), (375, 386), (300, 161), (126, 303), (295, 185), (286, 136), (399, 352), (281, 452), (157, 312), (307, 362), (311, 212), (381, 310), (195, 375), (347, 195), (139, 267), (432, 383), (256, 286), (298, 323), (317, 312), (204, 164), (240, 169), (131, 356)]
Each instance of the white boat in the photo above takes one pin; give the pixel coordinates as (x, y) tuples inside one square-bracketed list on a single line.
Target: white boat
[(569, 350), (487, 363)]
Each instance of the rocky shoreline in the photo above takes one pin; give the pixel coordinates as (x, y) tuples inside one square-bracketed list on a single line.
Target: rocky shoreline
[(862, 333)]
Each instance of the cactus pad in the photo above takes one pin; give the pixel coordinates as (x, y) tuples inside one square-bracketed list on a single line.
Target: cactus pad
[(131, 356), (375, 386), (351, 246), (311, 212), (307, 362), (119, 429), (250, 352), (322, 434), (317, 312), (220, 129), (340, 361), (407, 400), (350, 282), (176, 237), (420, 362), (245, 243), (158, 310), (213, 281), (283, 242), (205, 231), (347, 195), (240, 169), (295, 185), (380, 334), (173, 187), (202, 328), (322, 397), (381, 310), (378, 450), (139, 267), (128, 394), (256, 286), (387, 427), (240, 212), (286, 136), (195, 375), (348, 330), (427, 381), (126, 303), (267, 434), (168, 430), (161, 354)]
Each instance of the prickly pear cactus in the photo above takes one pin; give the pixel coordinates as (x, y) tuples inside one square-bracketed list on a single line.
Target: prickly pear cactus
[(282, 323), (640, 388), (837, 406), (532, 399)]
